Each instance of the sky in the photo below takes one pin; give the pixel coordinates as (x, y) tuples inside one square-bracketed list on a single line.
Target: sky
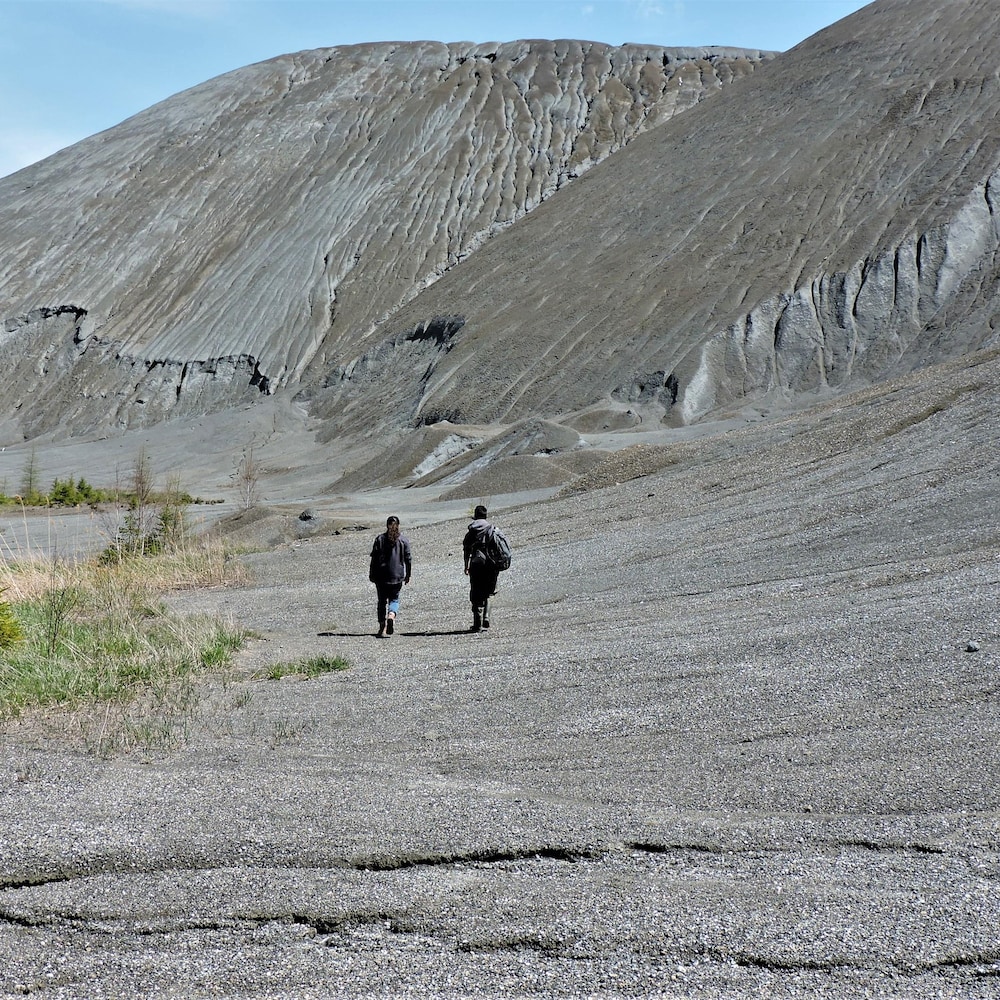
[(72, 68)]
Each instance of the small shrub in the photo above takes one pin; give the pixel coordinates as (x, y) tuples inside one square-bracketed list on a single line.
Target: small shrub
[(29, 481), (67, 493), (248, 479), (154, 521)]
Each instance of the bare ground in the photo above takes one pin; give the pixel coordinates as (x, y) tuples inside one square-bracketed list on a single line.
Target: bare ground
[(733, 733)]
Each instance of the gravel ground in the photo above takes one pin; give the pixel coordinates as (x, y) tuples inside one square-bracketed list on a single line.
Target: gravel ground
[(733, 733)]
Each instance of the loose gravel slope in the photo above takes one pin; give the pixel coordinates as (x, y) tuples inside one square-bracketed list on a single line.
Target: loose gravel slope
[(732, 734)]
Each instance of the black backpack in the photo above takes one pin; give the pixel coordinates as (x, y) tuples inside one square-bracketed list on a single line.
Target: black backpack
[(496, 548), (379, 564)]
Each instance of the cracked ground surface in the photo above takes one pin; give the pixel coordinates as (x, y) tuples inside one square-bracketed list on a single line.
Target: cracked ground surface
[(733, 734)]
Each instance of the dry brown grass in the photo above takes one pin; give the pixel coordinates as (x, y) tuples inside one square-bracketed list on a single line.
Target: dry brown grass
[(207, 563)]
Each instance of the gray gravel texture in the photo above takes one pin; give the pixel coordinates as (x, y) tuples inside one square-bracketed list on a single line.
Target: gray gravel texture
[(733, 733)]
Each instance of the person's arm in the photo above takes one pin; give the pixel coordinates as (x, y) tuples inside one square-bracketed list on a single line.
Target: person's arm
[(407, 561)]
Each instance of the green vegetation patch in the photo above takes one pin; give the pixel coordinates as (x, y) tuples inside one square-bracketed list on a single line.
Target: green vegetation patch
[(104, 640), (11, 632), (94, 639), (308, 668), (135, 492)]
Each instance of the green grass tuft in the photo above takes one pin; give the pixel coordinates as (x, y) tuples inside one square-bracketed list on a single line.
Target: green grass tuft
[(314, 666), (11, 632)]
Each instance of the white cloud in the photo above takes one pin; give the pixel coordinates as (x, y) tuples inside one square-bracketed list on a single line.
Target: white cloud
[(649, 9)]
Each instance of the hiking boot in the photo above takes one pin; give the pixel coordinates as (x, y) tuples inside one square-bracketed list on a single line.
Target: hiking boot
[(389, 624), (380, 634), (477, 620), (486, 610)]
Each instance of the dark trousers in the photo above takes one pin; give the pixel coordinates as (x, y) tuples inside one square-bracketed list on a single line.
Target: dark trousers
[(388, 599), (482, 585)]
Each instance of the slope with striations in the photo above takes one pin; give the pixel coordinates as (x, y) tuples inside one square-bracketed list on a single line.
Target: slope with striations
[(216, 245), (830, 221)]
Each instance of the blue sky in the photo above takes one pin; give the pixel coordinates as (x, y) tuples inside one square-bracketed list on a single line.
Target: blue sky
[(70, 68)]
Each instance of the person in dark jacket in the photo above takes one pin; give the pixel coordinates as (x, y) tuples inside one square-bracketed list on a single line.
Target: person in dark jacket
[(481, 573), (390, 569)]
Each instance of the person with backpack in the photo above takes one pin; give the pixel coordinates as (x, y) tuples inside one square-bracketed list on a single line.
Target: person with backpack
[(487, 554), (390, 568)]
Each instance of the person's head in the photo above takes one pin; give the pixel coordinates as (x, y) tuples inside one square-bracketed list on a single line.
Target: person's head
[(481, 513), (392, 528)]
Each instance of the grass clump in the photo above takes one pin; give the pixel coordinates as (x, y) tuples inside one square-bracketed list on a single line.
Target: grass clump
[(99, 634), (11, 632), (310, 667)]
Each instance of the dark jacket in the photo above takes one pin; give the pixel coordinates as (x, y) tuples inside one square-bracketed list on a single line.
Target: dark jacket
[(472, 546), (390, 563)]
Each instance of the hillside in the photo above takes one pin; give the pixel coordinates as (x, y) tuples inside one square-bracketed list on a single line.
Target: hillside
[(828, 222), (452, 257), (732, 734), (714, 335), (217, 247)]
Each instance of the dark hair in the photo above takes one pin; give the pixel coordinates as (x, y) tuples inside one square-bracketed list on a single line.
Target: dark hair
[(392, 529), (481, 511)]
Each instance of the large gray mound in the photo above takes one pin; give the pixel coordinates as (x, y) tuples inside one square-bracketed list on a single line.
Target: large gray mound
[(481, 234), (388, 238), (217, 246), (732, 734), (826, 222)]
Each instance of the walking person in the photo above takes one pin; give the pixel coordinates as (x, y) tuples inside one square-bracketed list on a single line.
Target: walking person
[(390, 568), (481, 570)]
